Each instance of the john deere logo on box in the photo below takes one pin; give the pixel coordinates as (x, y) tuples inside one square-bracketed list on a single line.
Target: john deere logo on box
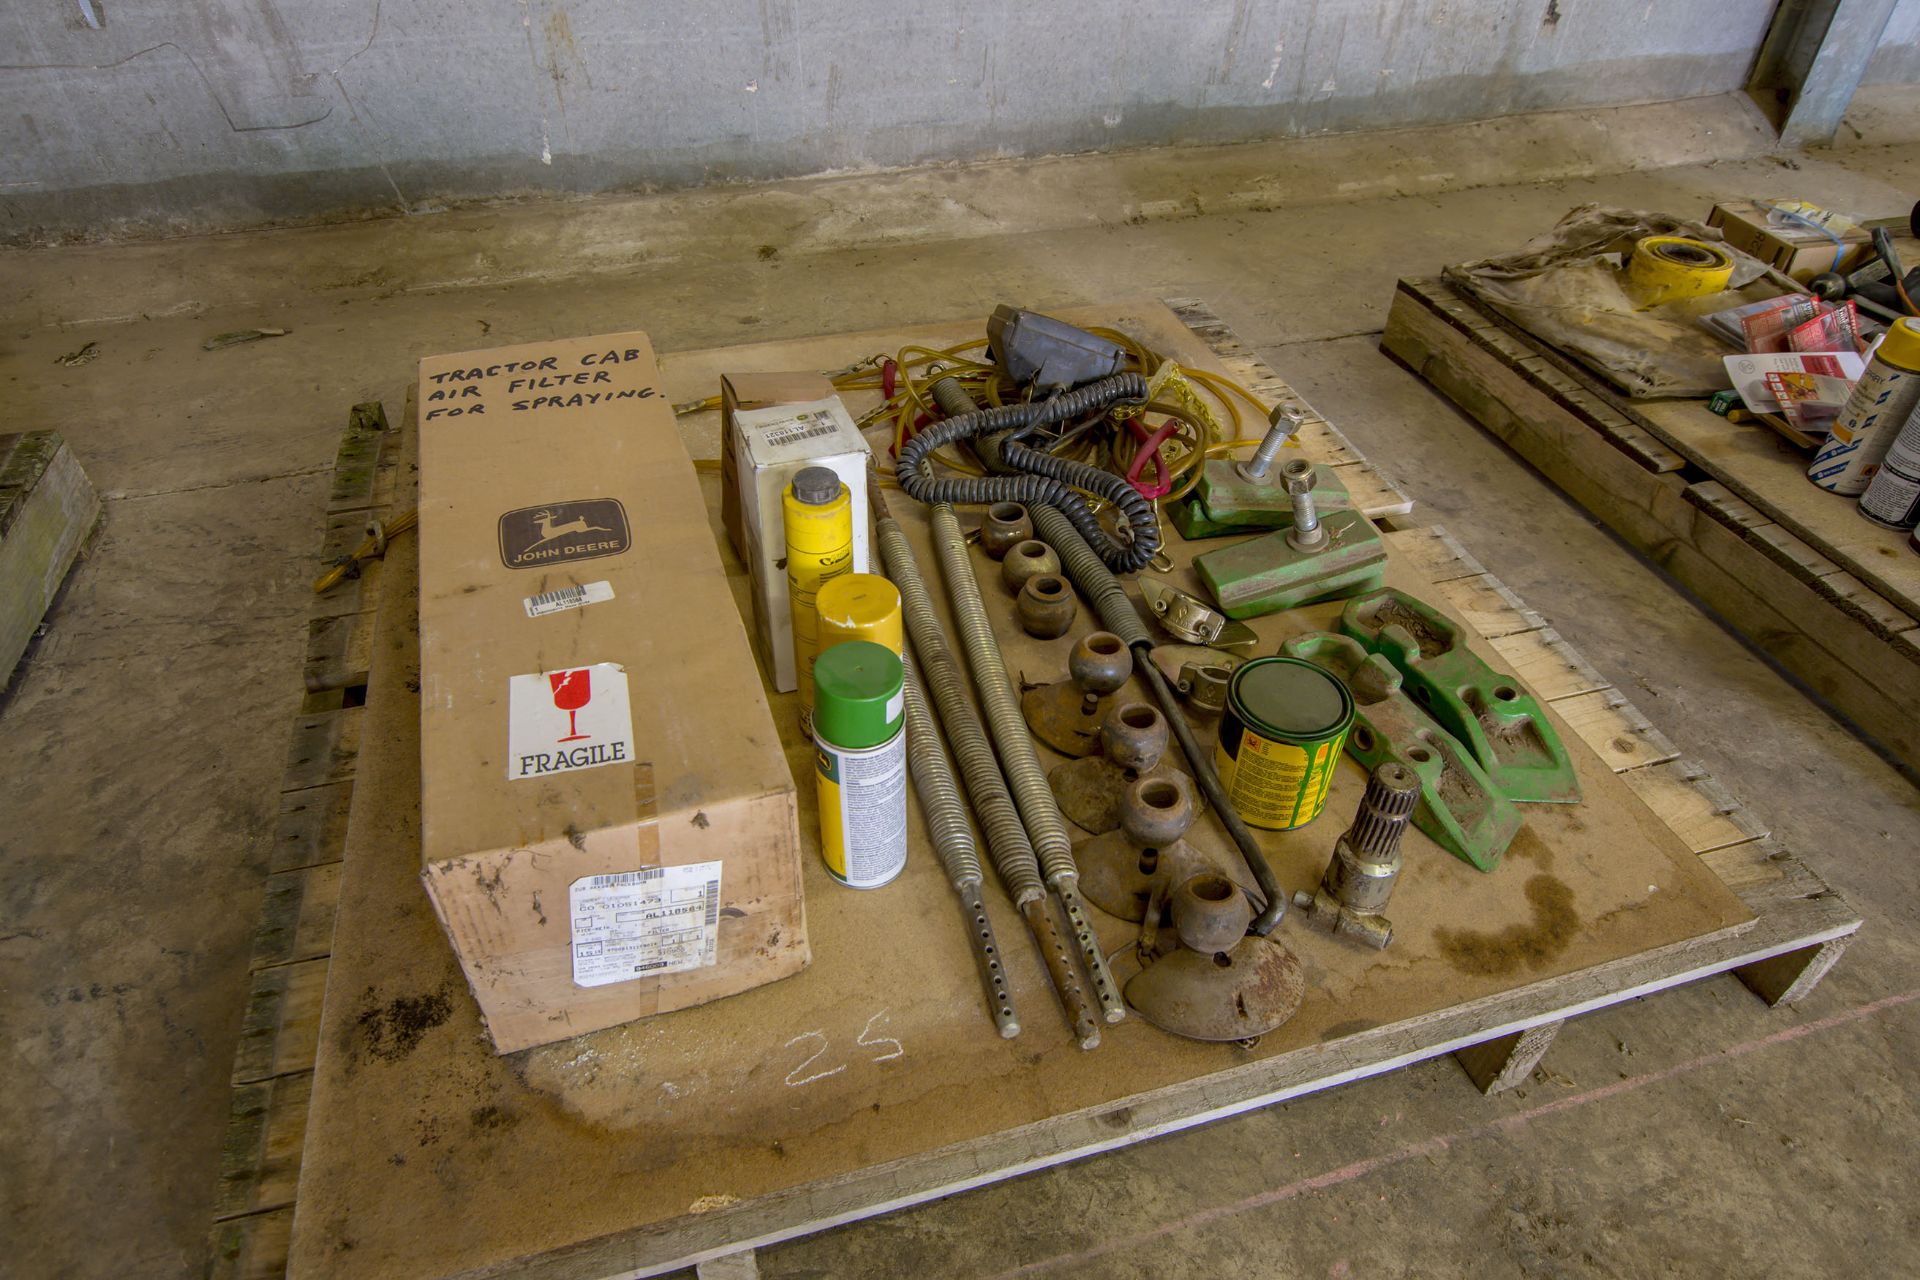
[(561, 532)]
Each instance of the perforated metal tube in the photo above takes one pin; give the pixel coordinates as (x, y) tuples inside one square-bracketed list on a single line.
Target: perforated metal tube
[(1007, 841), (946, 814), (1025, 778)]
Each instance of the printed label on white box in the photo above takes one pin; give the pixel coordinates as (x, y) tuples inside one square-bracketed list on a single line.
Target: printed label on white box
[(637, 924), (559, 721)]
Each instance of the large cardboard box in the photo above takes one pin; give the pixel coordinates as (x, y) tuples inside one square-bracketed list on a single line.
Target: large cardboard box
[(772, 425), (1800, 251), (608, 822)]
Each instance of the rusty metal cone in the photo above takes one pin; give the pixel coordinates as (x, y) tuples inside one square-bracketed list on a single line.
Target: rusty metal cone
[(1089, 791), (1056, 715), (1117, 876), (1219, 984), (1229, 995)]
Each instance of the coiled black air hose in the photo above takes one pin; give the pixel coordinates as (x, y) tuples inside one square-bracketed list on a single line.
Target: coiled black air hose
[(1045, 480)]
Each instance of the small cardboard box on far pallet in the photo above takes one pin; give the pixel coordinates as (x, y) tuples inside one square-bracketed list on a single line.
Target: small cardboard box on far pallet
[(1798, 249)]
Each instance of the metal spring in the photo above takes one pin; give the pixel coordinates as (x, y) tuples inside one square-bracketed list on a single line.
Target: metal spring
[(938, 789), (1024, 775), (1007, 842), (990, 680), (1088, 572)]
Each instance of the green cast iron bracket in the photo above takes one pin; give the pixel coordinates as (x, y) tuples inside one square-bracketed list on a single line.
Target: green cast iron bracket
[(1267, 574), (1499, 723), (1225, 502), (1459, 808)]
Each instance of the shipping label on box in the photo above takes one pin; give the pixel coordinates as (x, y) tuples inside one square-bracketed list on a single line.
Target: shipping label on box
[(609, 826)]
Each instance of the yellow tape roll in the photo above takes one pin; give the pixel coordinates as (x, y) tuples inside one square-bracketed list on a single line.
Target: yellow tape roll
[(1668, 268)]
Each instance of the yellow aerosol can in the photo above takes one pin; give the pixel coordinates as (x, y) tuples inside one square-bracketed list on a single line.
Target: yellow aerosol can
[(817, 510), (1883, 399), (860, 606)]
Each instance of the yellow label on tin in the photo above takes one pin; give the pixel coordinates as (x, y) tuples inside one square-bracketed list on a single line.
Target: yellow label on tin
[(1277, 785)]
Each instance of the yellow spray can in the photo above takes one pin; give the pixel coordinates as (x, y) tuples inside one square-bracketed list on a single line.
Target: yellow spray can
[(860, 606), (818, 512)]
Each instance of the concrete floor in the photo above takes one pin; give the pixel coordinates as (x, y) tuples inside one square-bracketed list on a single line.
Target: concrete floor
[(1693, 1132)]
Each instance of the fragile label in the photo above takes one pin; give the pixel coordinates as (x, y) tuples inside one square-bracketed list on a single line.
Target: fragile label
[(559, 721), (561, 599), (640, 923)]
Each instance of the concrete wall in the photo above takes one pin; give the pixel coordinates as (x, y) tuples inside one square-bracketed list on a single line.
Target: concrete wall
[(202, 113), (1897, 61)]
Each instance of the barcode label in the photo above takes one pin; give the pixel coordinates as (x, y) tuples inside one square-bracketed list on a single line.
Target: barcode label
[(560, 599), (624, 879), (656, 920), (801, 426)]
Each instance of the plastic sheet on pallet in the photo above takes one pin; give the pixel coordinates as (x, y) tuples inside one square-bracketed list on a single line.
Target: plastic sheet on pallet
[(1565, 289)]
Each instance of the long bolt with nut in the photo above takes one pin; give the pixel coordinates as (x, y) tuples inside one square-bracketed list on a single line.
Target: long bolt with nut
[(1307, 534), (1282, 422)]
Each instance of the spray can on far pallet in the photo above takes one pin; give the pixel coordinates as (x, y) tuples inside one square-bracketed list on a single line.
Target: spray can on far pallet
[(1880, 403), (1893, 498), (860, 762), (817, 510)]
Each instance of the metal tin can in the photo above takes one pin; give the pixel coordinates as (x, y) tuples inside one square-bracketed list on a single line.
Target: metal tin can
[(817, 510), (1280, 738), (1880, 402), (860, 762), (1893, 498)]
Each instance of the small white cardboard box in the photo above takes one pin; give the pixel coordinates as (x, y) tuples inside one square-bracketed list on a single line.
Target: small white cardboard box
[(769, 445)]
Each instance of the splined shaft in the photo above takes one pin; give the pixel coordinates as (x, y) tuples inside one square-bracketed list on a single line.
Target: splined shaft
[(1366, 861)]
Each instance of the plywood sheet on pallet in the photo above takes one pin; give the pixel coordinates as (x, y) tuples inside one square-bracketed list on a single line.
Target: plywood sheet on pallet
[(620, 1150)]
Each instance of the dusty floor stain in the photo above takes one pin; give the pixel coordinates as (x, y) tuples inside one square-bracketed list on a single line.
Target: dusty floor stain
[(1518, 946), (393, 1030)]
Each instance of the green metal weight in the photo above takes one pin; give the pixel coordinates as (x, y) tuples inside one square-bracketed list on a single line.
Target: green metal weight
[(1500, 724), (1459, 808)]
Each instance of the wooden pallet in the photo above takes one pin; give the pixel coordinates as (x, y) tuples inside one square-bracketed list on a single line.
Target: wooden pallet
[(48, 510), (1724, 508), (1799, 930), (273, 1064)]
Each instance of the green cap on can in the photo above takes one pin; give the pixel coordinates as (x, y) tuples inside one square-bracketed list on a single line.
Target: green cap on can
[(1291, 698), (856, 694)]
